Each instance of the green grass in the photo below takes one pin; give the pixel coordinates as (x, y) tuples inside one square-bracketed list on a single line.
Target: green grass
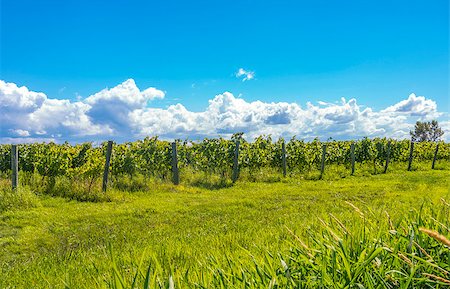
[(241, 236)]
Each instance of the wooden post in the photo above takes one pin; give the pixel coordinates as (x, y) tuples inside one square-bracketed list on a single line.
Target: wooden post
[(322, 165), (236, 163), (175, 172), (388, 153), (14, 166), (435, 156), (107, 162), (411, 151), (283, 157), (352, 157)]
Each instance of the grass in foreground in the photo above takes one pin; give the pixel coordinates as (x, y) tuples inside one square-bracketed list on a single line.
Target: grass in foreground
[(360, 232)]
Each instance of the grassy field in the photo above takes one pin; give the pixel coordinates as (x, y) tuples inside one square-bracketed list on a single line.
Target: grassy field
[(352, 232)]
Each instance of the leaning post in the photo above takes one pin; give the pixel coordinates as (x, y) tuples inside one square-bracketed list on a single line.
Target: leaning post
[(435, 156), (352, 157), (388, 154), (175, 171), (107, 163), (322, 165), (411, 151), (236, 163), (283, 157), (14, 166)]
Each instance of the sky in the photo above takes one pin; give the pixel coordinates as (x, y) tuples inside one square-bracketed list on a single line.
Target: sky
[(123, 70)]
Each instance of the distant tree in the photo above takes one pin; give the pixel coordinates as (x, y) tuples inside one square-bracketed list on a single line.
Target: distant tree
[(238, 136), (426, 131)]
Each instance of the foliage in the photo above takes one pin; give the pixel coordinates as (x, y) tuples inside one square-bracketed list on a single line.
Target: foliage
[(83, 164), (426, 131)]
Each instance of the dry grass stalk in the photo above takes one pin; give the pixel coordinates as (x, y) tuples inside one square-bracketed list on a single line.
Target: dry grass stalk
[(301, 242), (443, 280), (442, 270), (431, 258), (387, 248), (406, 259), (391, 226), (422, 250), (404, 230), (439, 268), (355, 208), (442, 225), (445, 202), (333, 234), (435, 235), (340, 224), (390, 278)]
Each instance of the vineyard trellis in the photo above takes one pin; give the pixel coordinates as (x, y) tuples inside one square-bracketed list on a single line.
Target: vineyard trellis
[(163, 159)]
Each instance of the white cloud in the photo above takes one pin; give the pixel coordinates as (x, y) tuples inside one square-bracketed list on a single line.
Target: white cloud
[(20, 132), (14, 98), (414, 106), (123, 113), (113, 107), (245, 74), (24, 113), (227, 114), (126, 93)]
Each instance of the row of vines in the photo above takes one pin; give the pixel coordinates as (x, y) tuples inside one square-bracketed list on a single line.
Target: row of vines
[(152, 156)]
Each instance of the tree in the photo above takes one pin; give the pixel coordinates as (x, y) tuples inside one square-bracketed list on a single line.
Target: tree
[(426, 131)]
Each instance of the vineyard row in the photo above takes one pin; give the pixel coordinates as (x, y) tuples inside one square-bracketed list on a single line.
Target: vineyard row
[(164, 159)]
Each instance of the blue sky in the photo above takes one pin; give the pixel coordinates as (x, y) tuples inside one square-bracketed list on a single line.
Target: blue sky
[(378, 52)]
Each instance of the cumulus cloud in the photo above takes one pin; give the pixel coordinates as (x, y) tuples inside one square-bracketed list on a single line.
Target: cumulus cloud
[(112, 107), (20, 132), (127, 94), (227, 114), (415, 106), (27, 114), (124, 112), (14, 98), (245, 74)]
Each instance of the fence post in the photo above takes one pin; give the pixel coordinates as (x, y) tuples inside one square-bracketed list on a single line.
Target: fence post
[(352, 157), (388, 153), (411, 151), (14, 166), (322, 165), (107, 162), (236, 163), (435, 156), (283, 157), (175, 172)]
